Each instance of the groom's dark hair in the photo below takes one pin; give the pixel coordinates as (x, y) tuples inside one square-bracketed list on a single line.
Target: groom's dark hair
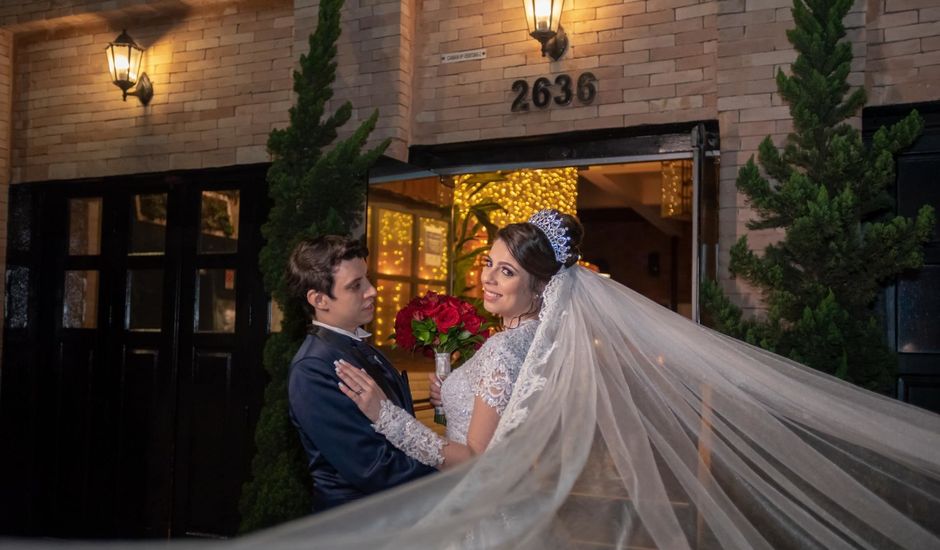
[(312, 262)]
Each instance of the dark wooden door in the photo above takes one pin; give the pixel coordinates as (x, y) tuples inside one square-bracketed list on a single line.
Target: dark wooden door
[(133, 347), (912, 305)]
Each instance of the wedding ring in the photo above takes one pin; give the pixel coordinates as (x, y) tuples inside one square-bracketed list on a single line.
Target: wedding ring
[(359, 391)]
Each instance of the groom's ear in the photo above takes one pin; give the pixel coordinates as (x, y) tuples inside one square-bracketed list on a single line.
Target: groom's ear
[(318, 300)]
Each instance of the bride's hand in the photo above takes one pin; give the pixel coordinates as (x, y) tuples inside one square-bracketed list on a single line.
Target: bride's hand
[(435, 385), (359, 386)]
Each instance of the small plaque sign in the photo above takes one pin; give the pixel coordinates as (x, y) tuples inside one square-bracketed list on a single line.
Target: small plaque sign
[(468, 55)]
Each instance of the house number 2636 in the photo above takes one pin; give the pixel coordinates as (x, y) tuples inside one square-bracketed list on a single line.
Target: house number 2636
[(542, 88)]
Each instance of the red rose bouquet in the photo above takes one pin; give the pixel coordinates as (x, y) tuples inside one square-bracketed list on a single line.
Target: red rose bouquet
[(440, 324)]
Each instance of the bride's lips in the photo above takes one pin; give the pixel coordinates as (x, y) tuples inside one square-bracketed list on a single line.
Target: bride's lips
[(490, 296)]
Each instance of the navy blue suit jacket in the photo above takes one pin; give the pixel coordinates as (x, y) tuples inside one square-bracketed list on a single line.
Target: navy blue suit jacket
[(347, 458)]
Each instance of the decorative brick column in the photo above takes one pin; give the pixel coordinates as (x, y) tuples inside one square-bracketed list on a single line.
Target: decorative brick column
[(752, 46), (375, 65)]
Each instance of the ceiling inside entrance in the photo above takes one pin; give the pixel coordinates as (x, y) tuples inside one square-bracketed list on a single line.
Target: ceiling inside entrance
[(637, 186)]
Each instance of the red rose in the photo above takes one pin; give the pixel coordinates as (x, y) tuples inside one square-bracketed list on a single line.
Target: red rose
[(429, 300), (426, 305), (467, 308), (404, 336), (472, 323), (446, 316)]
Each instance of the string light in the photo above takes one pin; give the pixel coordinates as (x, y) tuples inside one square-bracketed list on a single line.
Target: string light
[(388, 301), (519, 193), (676, 189), (394, 242)]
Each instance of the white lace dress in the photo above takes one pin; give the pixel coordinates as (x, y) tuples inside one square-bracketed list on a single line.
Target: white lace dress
[(490, 374)]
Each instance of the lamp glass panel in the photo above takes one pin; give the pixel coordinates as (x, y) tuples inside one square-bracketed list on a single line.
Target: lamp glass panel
[(109, 52), (135, 55), (543, 15), (556, 14), (121, 62), (529, 8)]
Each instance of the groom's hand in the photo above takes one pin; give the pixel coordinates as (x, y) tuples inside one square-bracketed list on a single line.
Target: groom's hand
[(435, 386), (361, 388)]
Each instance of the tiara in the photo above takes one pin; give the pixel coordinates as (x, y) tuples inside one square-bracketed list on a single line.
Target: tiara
[(549, 222)]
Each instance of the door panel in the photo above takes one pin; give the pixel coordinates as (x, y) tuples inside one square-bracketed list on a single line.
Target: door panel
[(145, 437), (214, 417)]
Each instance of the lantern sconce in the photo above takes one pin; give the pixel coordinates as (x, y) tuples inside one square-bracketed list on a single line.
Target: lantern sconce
[(124, 58), (543, 18)]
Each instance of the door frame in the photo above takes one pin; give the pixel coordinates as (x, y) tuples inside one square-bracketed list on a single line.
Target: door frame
[(697, 141)]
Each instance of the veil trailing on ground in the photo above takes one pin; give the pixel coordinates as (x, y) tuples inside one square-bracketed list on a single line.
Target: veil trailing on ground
[(632, 427)]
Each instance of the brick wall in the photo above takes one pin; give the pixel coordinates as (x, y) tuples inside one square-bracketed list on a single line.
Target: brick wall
[(655, 62), (221, 79), (903, 58)]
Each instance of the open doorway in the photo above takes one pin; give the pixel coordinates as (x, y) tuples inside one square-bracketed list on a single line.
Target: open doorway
[(638, 226)]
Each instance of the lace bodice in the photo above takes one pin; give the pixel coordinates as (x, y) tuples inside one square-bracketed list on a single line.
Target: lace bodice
[(489, 374)]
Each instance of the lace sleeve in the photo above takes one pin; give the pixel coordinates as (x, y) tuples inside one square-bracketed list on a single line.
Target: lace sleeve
[(494, 385), (409, 435)]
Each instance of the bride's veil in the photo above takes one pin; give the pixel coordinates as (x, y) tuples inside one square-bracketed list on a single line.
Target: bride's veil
[(632, 427)]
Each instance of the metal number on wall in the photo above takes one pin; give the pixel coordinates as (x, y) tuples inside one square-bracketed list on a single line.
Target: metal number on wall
[(542, 88)]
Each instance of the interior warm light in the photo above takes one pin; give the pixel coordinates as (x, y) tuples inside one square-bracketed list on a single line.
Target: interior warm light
[(676, 189), (519, 193), (395, 239)]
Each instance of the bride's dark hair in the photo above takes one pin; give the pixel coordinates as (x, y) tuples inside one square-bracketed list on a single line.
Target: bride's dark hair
[(531, 248)]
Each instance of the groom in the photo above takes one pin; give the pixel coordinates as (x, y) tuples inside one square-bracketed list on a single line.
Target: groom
[(346, 457)]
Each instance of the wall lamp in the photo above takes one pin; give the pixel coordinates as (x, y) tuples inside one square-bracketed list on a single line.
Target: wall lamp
[(543, 18), (124, 57)]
